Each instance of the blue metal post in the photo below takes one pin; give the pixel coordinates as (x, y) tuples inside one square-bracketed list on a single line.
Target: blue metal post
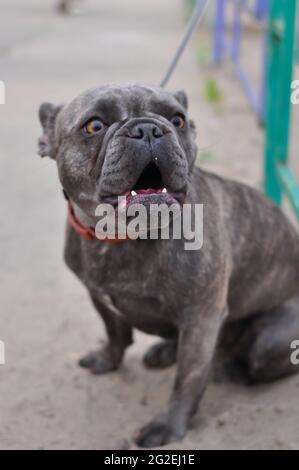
[(219, 31)]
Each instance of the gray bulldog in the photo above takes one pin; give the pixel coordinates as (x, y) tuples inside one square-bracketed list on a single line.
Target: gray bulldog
[(233, 301)]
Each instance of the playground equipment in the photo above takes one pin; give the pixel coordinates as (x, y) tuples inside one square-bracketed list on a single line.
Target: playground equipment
[(272, 103), (224, 46), (280, 58)]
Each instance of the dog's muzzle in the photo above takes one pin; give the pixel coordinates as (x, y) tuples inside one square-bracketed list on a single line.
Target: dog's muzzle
[(144, 163)]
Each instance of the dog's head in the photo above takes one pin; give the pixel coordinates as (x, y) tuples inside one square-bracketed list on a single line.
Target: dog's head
[(130, 140)]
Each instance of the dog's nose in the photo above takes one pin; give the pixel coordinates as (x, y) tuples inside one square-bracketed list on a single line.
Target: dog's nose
[(146, 131)]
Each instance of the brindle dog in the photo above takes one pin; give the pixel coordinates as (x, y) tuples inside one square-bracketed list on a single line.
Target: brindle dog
[(234, 295)]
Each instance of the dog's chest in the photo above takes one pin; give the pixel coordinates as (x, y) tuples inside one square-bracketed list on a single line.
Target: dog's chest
[(127, 274), (140, 282)]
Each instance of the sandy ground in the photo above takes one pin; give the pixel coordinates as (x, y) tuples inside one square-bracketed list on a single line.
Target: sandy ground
[(46, 319)]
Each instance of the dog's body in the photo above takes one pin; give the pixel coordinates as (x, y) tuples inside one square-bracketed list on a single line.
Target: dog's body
[(234, 293)]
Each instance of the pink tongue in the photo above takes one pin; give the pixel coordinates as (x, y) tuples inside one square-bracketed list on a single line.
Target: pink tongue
[(139, 191), (148, 191)]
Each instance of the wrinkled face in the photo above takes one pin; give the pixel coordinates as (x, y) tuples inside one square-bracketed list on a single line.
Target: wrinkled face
[(131, 140)]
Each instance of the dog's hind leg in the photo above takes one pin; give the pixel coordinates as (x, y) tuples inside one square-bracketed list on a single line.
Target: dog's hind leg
[(266, 343), (161, 355), (119, 338)]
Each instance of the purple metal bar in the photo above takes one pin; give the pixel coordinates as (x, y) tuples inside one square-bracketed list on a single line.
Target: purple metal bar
[(262, 100), (247, 87), (261, 9), (219, 32), (235, 55), (237, 34), (256, 99)]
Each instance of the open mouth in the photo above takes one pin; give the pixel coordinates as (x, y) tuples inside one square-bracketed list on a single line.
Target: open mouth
[(149, 184), (149, 189)]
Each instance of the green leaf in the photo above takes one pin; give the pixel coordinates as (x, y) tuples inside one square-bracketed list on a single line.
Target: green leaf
[(212, 92)]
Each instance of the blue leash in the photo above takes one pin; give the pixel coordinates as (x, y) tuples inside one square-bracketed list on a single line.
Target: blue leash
[(196, 17)]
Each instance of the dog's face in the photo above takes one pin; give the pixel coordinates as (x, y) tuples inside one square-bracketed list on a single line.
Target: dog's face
[(127, 140)]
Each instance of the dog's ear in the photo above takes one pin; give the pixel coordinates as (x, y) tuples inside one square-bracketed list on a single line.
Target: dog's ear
[(47, 115), (182, 98)]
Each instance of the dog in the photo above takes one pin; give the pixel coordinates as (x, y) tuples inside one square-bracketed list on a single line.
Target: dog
[(233, 298), (65, 7)]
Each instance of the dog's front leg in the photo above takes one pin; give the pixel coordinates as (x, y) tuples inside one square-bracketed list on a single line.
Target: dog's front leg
[(119, 338), (197, 342)]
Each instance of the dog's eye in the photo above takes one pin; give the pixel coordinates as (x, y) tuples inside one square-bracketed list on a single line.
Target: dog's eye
[(178, 121), (94, 126)]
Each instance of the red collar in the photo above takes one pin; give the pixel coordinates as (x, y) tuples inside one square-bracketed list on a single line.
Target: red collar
[(87, 232)]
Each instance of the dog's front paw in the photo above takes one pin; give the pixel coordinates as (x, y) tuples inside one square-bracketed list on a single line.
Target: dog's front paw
[(157, 433), (98, 362)]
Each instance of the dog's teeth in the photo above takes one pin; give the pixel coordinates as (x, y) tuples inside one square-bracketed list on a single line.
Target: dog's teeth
[(133, 193), (164, 190)]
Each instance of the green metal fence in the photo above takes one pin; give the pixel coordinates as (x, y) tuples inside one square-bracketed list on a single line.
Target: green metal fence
[(281, 54)]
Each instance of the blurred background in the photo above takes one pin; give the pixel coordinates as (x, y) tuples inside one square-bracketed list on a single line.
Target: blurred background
[(237, 73)]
